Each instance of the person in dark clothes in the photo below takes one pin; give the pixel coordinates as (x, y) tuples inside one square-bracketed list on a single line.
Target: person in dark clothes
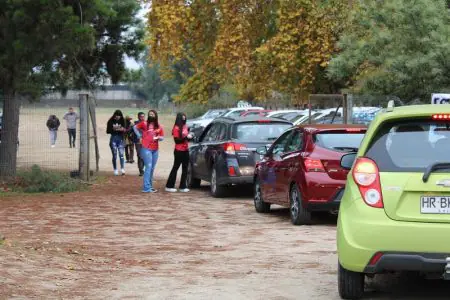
[(138, 144), (53, 126), (181, 137), (71, 118), (129, 144), (116, 127)]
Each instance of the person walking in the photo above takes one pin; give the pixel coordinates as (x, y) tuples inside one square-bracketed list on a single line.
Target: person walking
[(129, 144), (53, 125), (181, 137), (151, 133), (116, 127), (138, 144), (71, 118)]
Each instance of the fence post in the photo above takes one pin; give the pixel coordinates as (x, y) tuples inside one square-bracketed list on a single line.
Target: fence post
[(94, 127), (84, 137)]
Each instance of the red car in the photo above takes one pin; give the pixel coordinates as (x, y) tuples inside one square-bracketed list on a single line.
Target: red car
[(301, 169)]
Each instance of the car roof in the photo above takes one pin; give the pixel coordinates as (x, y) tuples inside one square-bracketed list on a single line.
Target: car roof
[(327, 127), (416, 110), (250, 119)]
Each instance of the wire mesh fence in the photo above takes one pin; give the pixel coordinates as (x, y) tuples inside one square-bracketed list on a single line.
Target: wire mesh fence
[(47, 147)]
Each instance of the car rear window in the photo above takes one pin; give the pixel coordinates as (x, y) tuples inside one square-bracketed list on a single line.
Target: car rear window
[(410, 146), (258, 132), (345, 141)]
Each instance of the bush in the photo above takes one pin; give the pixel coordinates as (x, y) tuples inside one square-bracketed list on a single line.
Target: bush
[(39, 181)]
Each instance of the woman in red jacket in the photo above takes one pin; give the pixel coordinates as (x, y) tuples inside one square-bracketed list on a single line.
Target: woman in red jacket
[(181, 136), (151, 133)]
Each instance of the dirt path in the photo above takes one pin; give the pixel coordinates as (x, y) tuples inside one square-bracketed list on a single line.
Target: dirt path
[(115, 243)]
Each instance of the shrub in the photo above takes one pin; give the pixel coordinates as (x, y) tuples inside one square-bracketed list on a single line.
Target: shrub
[(39, 181)]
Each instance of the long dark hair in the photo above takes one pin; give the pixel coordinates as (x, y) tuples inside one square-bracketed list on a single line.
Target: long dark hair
[(118, 113), (155, 123), (179, 122)]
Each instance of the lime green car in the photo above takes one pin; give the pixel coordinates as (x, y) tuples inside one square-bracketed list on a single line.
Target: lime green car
[(395, 211)]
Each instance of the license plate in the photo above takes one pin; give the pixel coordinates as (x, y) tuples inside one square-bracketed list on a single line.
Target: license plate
[(435, 205)]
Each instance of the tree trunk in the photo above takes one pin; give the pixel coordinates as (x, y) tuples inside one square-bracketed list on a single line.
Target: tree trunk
[(9, 135)]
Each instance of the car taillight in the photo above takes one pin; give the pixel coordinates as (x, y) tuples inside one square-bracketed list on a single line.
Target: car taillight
[(314, 165), (231, 148), (441, 117), (367, 177)]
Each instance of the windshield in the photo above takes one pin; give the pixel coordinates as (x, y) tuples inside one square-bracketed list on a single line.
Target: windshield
[(410, 146), (212, 114), (259, 132), (348, 141)]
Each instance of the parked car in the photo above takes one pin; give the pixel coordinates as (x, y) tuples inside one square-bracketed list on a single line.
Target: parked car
[(205, 119), (301, 170), (236, 111), (258, 112), (395, 212), (225, 152)]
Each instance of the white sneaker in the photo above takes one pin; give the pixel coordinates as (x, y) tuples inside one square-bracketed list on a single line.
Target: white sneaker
[(123, 171), (185, 190), (116, 172), (53, 146), (171, 190)]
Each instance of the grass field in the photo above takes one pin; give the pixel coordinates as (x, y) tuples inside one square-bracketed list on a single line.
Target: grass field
[(35, 142)]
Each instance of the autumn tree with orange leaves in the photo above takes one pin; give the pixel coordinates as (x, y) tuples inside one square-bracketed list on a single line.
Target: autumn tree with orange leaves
[(259, 46)]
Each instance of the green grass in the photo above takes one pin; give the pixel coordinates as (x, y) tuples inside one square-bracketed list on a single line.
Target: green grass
[(37, 180)]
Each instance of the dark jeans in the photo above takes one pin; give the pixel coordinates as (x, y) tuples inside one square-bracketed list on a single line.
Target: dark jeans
[(116, 145), (72, 137), (181, 158), (129, 153), (140, 160)]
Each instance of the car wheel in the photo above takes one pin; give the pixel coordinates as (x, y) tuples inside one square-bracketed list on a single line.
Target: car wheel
[(350, 284), (217, 191), (260, 205), (192, 183), (299, 215)]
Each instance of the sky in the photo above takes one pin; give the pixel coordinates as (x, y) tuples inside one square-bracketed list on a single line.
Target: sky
[(130, 62)]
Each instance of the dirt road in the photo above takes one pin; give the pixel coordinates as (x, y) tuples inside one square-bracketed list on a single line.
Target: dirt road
[(116, 243)]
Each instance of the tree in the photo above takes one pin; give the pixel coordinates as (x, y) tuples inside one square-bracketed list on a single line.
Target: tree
[(148, 82), (58, 44), (396, 47), (257, 46)]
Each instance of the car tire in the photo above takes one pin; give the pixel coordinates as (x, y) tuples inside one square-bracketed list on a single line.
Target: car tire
[(260, 205), (217, 191), (192, 182), (299, 215), (350, 284)]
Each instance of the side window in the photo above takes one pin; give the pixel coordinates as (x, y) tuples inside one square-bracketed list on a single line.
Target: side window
[(213, 133), (296, 142), (279, 147), (222, 136)]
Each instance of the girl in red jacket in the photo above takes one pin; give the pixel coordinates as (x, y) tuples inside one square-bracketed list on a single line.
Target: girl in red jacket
[(151, 133), (181, 136)]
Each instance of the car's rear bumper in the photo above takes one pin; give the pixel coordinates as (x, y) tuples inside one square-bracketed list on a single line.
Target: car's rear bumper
[(238, 180), (364, 231), (328, 205), (398, 261)]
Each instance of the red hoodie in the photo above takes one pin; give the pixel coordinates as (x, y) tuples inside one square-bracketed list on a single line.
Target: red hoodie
[(149, 133), (184, 146)]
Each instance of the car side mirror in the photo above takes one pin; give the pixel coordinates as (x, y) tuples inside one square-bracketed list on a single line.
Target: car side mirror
[(262, 150), (347, 160)]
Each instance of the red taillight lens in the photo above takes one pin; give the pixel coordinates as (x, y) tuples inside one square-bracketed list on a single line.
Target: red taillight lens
[(231, 171), (367, 177), (231, 148), (375, 258), (314, 165), (441, 117)]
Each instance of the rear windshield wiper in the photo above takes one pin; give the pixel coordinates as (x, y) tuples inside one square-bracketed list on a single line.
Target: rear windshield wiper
[(272, 138), (434, 167)]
